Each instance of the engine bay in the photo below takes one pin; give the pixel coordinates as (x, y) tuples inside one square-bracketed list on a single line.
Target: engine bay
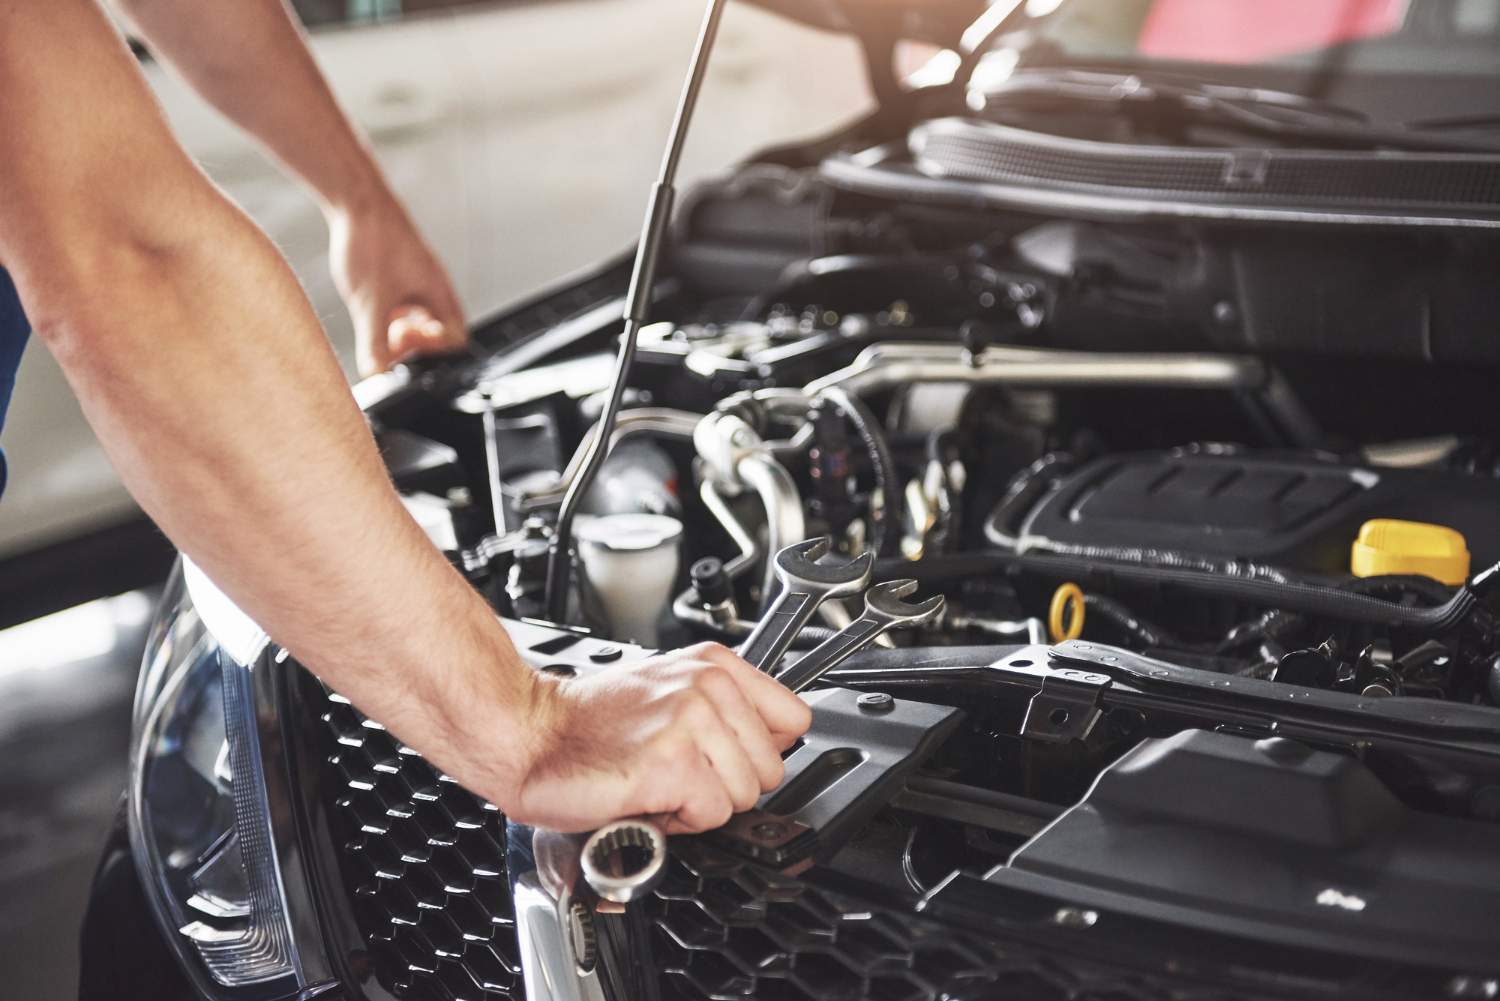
[(1204, 603)]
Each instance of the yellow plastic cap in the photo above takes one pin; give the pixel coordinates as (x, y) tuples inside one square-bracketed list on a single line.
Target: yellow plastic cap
[(1389, 546)]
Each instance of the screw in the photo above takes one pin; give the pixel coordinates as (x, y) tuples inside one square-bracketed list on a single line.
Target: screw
[(875, 702), (771, 830), (1075, 917)]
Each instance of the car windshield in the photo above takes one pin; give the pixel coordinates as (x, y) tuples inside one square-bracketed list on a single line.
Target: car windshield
[(1397, 61)]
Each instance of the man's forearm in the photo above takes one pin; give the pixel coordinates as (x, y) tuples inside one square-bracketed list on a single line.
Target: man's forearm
[(249, 58), (228, 418), (202, 369)]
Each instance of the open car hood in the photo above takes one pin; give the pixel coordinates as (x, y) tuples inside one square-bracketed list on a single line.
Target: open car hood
[(941, 22)]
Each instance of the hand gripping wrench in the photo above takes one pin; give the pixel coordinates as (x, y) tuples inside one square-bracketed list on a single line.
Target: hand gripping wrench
[(624, 860), (884, 611), (805, 584)]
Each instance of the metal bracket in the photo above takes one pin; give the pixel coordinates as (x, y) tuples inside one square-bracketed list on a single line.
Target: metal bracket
[(768, 838), (1067, 707), (853, 761)]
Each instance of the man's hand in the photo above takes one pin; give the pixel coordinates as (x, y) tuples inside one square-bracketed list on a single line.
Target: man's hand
[(249, 58), (398, 294), (690, 738)]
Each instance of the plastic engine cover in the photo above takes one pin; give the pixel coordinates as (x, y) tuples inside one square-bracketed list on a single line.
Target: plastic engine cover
[(1295, 512)]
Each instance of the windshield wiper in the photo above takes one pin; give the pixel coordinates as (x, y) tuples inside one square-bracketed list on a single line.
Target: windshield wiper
[(1283, 116)]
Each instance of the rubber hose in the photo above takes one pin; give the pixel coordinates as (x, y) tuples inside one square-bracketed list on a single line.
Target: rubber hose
[(1143, 631), (1300, 596)]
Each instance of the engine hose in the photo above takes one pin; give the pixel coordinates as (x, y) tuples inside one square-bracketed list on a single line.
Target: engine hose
[(1429, 590), (1268, 629), (887, 542), (1143, 631), (1327, 600)]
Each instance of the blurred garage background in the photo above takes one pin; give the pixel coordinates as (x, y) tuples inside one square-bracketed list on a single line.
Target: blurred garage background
[(523, 136)]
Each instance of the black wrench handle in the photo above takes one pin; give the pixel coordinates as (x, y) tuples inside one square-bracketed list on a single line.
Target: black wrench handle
[(831, 653), (774, 633)]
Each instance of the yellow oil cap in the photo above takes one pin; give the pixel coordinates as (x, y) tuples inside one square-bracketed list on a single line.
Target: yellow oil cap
[(1389, 546)]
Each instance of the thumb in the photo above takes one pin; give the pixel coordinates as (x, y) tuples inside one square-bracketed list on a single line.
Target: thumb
[(372, 343)]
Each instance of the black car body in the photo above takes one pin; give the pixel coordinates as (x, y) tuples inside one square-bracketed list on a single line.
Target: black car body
[(1071, 324)]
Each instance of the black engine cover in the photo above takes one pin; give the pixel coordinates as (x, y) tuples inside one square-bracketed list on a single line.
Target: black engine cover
[(1273, 840), (1295, 512)]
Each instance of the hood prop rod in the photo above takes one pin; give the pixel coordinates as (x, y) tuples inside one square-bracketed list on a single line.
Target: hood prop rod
[(637, 307)]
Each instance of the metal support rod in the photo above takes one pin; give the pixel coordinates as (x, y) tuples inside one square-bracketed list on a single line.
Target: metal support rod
[(492, 466), (637, 306)]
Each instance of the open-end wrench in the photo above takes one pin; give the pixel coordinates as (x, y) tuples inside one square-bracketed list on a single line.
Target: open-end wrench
[(884, 611), (805, 584)]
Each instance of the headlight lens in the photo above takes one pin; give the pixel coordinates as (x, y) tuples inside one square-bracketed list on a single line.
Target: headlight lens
[(200, 826)]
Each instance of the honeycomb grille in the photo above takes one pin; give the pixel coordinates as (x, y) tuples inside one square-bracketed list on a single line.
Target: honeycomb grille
[(425, 862), (727, 931)]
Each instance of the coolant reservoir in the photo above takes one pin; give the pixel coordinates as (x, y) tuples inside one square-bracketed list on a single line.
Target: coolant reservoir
[(1389, 546)]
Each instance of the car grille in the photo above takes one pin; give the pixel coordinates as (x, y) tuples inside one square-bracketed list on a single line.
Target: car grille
[(425, 861), (729, 931)]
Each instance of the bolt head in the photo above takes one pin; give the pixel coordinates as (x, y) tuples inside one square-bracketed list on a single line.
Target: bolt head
[(1075, 917), (1474, 987), (875, 702), (771, 830)]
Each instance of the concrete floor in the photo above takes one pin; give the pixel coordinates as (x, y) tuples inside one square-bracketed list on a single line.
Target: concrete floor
[(65, 690)]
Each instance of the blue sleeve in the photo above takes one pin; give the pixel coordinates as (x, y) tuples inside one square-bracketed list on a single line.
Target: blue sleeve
[(13, 333)]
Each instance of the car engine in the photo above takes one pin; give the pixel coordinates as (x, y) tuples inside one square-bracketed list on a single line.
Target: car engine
[(1224, 600)]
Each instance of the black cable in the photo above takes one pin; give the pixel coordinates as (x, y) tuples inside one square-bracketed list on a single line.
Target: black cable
[(1329, 600), (1143, 631), (887, 542)]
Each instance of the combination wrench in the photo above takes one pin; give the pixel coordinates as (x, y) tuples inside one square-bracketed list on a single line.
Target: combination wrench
[(805, 584), (884, 610)]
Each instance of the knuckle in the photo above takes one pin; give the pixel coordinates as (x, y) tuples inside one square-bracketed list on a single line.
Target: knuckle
[(712, 678), (775, 771), (689, 704), (800, 712), (667, 751)]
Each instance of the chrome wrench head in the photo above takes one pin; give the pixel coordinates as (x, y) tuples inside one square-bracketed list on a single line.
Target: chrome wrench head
[(885, 610), (624, 860), (884, 603), (805, 584), (799, 571)]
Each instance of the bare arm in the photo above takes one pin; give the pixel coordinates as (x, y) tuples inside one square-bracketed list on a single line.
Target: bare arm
[(203, 371), (249, 59)]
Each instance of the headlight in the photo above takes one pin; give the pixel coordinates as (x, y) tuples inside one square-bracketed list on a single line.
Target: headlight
[(200, 826)]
